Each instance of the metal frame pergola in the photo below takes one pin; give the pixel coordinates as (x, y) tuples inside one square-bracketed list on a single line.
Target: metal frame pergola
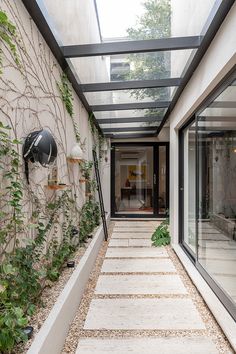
[(63, 55)]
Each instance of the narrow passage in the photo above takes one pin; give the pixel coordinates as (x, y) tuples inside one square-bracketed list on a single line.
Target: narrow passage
[(140, 300)]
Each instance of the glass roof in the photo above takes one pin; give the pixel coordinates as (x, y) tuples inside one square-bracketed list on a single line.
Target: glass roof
[(92, 21), (133, 54), (139, 66)]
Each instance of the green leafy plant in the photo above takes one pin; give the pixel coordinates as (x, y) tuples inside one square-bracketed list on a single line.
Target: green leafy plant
[(89, 218), (11, 215), (67, 98), (161, 236), (8, 37), (86, 169), (97, 134)]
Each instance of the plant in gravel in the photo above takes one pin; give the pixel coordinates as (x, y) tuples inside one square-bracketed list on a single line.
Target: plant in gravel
[(161, 236)]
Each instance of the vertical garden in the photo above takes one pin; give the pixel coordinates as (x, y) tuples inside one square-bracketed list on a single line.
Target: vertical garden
[(41, 223)]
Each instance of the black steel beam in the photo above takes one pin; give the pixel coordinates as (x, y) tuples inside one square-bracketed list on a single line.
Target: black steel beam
[(213, 23), (130, 136), (130, 85), (222, 118), (127, 47), (129, 106), (223, 104), (130, 129), (130, 120)]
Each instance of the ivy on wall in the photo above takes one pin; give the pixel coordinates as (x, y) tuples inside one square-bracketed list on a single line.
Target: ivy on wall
[(98, 136), (67, 98), (8, 37), (36, 235)]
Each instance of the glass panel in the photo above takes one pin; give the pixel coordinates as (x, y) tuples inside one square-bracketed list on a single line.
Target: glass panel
[(189, 187), (77, 21), (162, 200), (128, 96), (125, 67), (131, 113), (217, 193), (134, 180)]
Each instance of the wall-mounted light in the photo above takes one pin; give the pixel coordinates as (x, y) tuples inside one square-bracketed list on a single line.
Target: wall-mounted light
[(76, 152), (39, 146)]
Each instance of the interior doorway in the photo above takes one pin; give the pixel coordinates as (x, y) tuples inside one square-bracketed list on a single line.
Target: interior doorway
[(139, 180)]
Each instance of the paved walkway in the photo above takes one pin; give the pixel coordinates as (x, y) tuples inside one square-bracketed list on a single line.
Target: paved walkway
[(142, 301)]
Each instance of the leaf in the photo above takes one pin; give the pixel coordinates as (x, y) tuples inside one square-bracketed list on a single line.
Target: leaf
[(8, 269)]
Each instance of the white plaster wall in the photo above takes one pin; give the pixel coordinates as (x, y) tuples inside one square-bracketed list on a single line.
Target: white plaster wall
[(218, 60), (31, 100)]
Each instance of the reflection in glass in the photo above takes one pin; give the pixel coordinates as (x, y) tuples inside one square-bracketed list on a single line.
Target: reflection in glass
[(162, 199), (217, 194), (189, 187), (134, 180)]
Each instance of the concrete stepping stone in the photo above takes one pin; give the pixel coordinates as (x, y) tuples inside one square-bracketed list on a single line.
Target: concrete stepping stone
[(147, 345), (141, 252), (132, 230), (131, 235), (119, 242), (150, 265), (141, 314), (130, 242), (140, 284)]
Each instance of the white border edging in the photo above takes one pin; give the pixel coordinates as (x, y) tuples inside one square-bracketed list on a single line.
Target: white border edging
[(52, 335), (226, 322)]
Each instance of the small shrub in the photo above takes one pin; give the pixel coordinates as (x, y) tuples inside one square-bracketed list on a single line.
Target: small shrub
[(161, 236)]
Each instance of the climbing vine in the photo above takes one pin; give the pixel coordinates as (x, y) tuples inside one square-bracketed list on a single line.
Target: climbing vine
[(8, 37), (36, 227), (97, 135), (11, 193), (67, 98)]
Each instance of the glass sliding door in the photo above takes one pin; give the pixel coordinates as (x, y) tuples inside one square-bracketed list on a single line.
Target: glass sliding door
[(217, 191), (139, 180), (208, 192)]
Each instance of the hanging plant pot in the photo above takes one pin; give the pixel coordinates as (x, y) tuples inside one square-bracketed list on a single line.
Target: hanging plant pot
[(28, 331), (88, 194), (83, 180)]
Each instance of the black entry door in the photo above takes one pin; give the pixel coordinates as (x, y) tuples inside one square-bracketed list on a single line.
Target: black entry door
[(139, 180)]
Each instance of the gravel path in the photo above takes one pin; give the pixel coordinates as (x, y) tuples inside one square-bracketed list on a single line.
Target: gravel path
[(210, 331)]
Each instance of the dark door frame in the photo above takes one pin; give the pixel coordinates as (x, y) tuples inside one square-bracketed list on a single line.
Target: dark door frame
[(155, 179)]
